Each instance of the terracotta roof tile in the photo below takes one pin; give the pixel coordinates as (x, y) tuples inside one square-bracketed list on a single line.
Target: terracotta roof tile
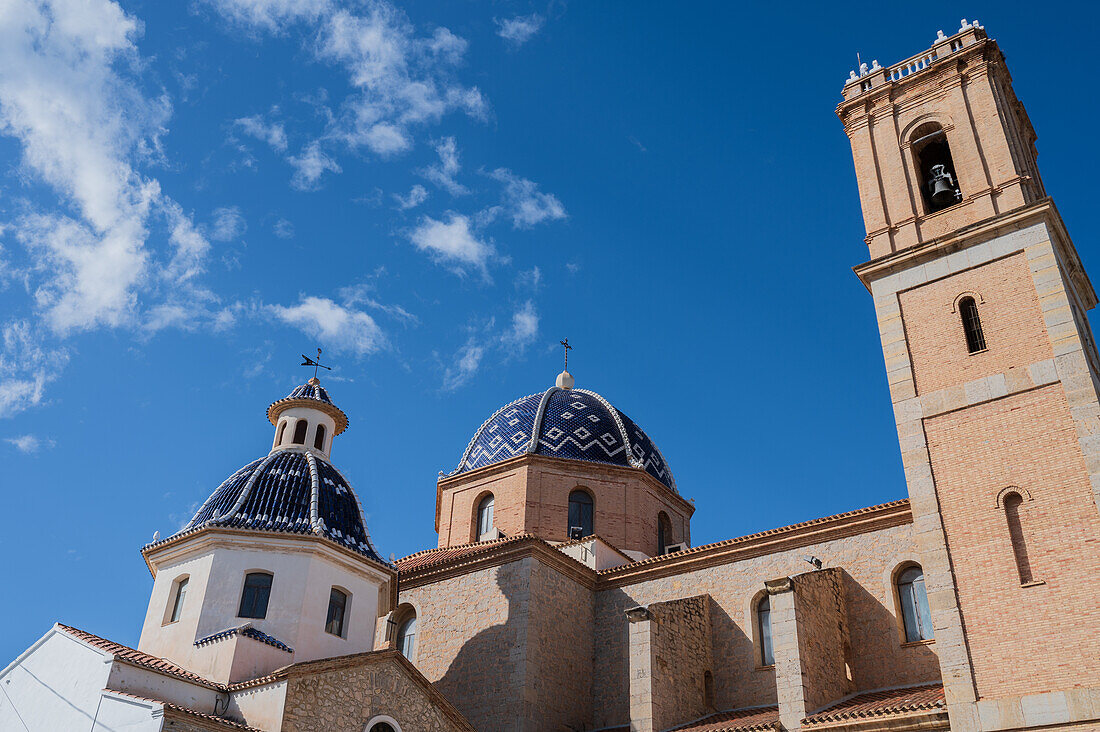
[(737, 720), (880, 703), (432, 557), (138, 658), (220, 721)]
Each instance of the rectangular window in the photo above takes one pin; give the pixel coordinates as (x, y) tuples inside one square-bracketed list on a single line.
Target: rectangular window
[(257, 590), (337, 605), (177, 602)]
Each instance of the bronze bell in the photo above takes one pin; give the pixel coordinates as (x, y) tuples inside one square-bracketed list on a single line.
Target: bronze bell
[(942, 185)]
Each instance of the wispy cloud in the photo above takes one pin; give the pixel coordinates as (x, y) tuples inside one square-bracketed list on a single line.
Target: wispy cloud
[(523, 201), (443, 173), (525, 327), (283, 229), (416, 196), (335, 326), (228, 224), (453, 243), (273, 133), (27, 365), (518, 30), (465, 365), (29, 444), (310, 165)]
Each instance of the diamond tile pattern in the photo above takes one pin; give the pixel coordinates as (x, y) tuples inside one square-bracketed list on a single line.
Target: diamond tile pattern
[(577, 425)]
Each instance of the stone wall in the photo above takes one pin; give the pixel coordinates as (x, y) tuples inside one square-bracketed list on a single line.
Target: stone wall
[(344, 698), (681, 657), (879, 659), (823, 644)]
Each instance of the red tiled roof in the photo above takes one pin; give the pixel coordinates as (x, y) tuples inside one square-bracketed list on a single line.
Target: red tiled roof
[(737, 720), (220, 721), (879, 703), (138, 658), (431, 557)]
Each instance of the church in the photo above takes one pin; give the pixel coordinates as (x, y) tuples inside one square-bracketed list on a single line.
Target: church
[(565, 592)]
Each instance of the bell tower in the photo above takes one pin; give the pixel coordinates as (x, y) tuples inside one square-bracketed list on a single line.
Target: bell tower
[(981, 303)]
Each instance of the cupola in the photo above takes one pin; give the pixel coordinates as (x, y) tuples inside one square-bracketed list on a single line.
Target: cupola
[(306, 419)]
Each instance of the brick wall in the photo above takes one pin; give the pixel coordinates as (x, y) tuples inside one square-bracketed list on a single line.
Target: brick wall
[(878, 659), (1026, 440), (1012, 323)]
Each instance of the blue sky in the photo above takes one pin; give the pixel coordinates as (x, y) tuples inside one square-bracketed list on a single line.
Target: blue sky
[(194, 193)]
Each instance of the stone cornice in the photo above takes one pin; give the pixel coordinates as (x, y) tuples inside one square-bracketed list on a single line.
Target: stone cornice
[(207, 536), (1042, 211), (504, 466)]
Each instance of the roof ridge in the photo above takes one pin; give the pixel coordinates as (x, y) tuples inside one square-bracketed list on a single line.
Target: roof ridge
[(760, 534), (176, 707)]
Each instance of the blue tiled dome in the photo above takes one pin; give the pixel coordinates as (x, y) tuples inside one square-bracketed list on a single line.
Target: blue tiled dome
[(570, 423), (289, 491), (309, 394)]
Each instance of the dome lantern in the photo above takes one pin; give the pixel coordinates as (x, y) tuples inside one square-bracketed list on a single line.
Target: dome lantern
[(306, 419)]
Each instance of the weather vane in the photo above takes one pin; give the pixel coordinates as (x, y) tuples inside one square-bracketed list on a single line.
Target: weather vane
[(568, 348), (316, 364)]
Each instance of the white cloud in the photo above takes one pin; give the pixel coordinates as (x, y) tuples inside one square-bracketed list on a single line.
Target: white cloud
[(26, 366), (400, 81), (272, 133), (518, 30), (228, 224), (443, 173), (416, 196), (452, 243), (529, 280), (29, 444), (70, 93), (336, 326), (466, 363), (525, 327), (310, 165), (284, 229), (525, 203)]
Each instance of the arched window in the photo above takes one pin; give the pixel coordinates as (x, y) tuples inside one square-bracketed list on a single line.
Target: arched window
[(254, 597), (319, 440), (664, 532), (580, 514), (764, 629), (382, 726), (337, 607), (932, 155), (972, 325), (485, 516), (914, 605), (279, 435), (179, 594), (300, 432), (1013, 502), (406, 637)]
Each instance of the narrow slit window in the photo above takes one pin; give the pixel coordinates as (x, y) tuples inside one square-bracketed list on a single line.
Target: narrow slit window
[(1013, 503), (300, 432), (254, 597), (972, 324), (580, 515), (664, 532), (337, 607), (764, 627), (913, 597), (485, 516), (179, 595), (319, 440)]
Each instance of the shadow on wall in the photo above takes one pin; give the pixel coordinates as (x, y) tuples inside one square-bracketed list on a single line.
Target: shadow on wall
[(878, 658), (485, 680), (739, 680)]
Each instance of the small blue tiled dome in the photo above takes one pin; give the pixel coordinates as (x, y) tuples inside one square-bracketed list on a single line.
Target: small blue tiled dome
[(288, 491), (310, 394), (568, 423)]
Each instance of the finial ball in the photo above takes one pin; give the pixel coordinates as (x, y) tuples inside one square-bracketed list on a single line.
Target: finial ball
[(565, 380)]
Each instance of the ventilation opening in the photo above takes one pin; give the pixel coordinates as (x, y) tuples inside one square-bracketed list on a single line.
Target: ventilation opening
[(938, 180)]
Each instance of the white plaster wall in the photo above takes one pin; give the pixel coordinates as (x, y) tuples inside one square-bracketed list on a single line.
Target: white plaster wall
[(143, 682), (313, 417), (54, 686), (169, 640), (118, 714), (260, 706)]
